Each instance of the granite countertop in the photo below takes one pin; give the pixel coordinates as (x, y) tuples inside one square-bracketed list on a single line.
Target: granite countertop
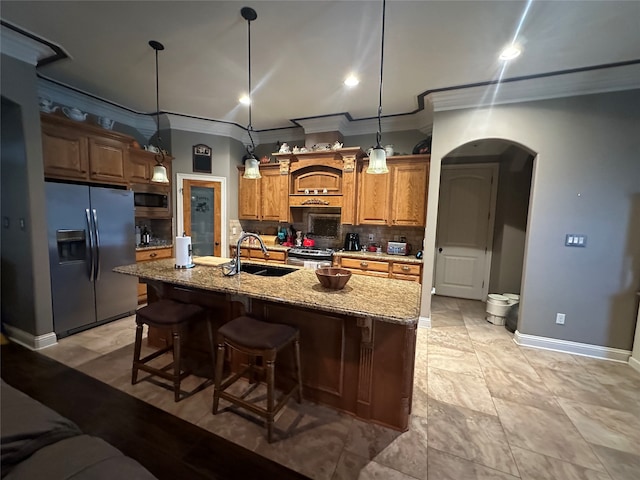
[(380, 256), (141, 248), (388, 300)]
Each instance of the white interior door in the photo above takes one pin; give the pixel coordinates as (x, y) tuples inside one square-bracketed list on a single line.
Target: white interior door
[(465, 230)]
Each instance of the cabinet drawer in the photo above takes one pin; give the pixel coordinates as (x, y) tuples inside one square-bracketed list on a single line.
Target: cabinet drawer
[(365, 265), (274, 256), (411, 278), (244, 252), (406, 268), (368, 273), (146, 255), (315, 201)]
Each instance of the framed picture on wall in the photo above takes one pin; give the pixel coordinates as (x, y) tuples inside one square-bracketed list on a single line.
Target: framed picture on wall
[(201, 158)]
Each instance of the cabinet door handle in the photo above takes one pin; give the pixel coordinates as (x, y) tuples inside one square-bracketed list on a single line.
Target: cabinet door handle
[(364, 264), (405, 268), (153, 255)]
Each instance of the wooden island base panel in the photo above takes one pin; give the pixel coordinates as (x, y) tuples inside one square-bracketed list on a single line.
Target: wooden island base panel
[(357, 344)]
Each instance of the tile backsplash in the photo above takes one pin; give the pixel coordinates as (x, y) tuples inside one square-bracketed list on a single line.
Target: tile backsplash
[(329, 237)]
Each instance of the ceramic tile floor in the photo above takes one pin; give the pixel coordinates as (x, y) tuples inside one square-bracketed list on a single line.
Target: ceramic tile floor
[(483, 408)]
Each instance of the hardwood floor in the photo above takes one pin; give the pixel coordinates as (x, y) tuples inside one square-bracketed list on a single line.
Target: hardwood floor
[(167, 446)]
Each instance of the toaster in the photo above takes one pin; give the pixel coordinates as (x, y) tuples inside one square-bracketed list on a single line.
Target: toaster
[(397, 248)]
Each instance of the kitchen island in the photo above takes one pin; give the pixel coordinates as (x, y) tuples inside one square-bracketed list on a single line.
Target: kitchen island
[(357, 344)]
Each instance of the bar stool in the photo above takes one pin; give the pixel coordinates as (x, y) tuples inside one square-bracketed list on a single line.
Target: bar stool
[(256, 339), (173, 317)]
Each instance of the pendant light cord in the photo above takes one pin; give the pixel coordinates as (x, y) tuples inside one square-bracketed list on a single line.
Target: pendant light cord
[(160, 155), (379, 134), (250, 126)]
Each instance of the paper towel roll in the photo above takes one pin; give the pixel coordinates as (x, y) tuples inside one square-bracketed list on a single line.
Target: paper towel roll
[(183, 252)]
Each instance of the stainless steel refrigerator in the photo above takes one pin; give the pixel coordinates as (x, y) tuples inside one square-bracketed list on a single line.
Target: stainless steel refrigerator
[(91, 230)]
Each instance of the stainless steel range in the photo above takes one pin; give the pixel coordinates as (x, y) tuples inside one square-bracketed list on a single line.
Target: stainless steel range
[(310, 257)]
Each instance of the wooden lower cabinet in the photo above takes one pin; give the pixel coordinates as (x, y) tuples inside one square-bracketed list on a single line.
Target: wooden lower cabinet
[(373, 268), (356, 365), (406, 271), (382, 268), (249, 253), (146, 256)]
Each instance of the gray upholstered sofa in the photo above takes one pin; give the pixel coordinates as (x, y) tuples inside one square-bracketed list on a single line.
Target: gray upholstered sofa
[(37, 442)]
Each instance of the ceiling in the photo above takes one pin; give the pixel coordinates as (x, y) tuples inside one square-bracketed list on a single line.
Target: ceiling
[(303, 50)]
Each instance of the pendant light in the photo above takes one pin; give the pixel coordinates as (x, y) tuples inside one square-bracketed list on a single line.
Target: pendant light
[(159, 170), (251, 164), (378, 157)]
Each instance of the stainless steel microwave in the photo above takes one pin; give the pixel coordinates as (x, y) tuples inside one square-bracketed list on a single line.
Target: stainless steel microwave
[(151, 201)]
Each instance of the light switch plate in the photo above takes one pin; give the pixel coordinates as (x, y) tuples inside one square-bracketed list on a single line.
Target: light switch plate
[(575, 240)]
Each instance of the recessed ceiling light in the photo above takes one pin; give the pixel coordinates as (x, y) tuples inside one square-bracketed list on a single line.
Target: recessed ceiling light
[(510, 52), (351, 81), (244, 99)]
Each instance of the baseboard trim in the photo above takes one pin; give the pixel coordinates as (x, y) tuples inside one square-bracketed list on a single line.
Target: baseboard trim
[(575, 348), (634, 363), (424, 322), (28, 340)]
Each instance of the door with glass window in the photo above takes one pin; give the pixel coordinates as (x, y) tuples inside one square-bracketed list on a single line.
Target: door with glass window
[(202, 216)]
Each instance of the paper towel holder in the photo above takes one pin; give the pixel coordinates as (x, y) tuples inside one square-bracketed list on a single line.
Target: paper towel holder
[(189, 252)]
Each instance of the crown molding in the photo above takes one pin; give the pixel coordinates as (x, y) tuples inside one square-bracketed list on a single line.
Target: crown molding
[(280, 134), (325, 123), (64, 95), (569, 84), (24, 46), (178, 121)]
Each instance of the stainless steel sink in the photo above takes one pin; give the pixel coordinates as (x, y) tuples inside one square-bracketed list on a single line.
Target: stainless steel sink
[(266, 270)]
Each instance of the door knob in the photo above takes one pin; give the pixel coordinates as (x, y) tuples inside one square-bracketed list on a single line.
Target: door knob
[(217, 244), (440, 250)]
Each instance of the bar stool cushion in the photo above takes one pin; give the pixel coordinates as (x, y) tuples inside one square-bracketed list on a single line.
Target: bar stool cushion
[(253, 333), (167, 312)]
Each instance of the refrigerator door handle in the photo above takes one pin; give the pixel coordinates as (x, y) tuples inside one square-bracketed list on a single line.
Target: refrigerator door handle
[(97, 233), (90, 263)]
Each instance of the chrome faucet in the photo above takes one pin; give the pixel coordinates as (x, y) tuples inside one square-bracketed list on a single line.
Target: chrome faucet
[(233, 267)]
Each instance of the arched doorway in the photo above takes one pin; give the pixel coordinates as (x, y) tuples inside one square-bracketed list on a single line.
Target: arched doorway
[(485, 187)]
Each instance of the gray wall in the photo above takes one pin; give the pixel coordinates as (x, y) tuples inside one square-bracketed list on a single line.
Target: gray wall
[(586, 179), (512, 204), (26, 287), (227, 156), (403, 142)]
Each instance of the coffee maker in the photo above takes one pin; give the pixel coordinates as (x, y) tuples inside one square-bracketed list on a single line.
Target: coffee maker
[(352, 242)]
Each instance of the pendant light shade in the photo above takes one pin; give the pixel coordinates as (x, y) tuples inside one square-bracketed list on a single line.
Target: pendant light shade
[(378, 161), (251, 168), (251, 164), (378, 157), (160, 174), (159, 170)]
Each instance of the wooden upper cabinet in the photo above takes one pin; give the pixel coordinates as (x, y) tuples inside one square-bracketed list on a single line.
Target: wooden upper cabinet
[(373, 197), (107, 160), (79, 151), (398, 198), (65, 152), (274, 198), (248, 197), (139, 168), (409, 180), (264, 198)]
